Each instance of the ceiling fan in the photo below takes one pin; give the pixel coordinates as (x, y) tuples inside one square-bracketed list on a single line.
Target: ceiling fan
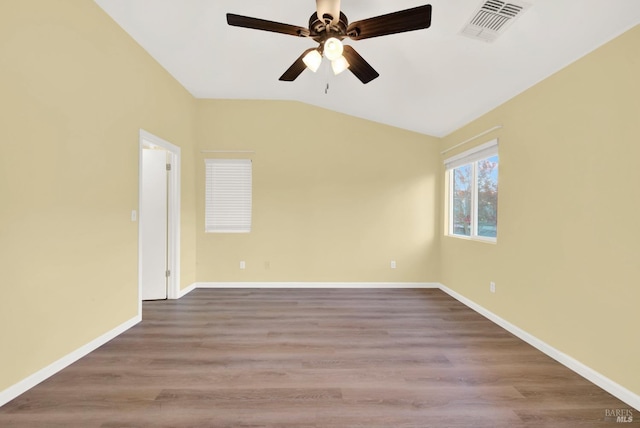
[(328, 26)]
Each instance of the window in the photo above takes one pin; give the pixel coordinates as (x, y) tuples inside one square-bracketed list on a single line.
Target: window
[(228, 195), (473, 193)]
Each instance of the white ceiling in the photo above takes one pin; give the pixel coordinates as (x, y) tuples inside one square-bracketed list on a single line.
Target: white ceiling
[(431, 81)]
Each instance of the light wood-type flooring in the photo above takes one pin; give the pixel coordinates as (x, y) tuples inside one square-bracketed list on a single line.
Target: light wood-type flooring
[(314, 358)]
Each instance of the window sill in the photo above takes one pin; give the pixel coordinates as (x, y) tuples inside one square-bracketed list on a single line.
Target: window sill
[(474, 238)]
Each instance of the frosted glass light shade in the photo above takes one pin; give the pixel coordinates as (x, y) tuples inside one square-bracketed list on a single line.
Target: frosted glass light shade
[(339, 65), (333, 48), (312, 60)]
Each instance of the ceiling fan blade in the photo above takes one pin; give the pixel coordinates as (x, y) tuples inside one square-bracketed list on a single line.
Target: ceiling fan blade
[(296, 68), (358, 66), (263, 24), (326, 8), (416, 18)]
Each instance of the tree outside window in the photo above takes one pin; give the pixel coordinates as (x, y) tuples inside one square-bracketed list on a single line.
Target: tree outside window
[(474, 199), (488, 197), (462, 200)]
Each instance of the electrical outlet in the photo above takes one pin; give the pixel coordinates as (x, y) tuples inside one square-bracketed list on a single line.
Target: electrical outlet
[(492, 287), (393, 264), (242, 264)]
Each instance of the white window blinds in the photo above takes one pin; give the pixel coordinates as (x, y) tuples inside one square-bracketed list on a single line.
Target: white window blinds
[(228, 195), (482, 151)]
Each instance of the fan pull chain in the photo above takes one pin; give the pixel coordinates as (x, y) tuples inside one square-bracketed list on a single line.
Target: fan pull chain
[(326, 89)]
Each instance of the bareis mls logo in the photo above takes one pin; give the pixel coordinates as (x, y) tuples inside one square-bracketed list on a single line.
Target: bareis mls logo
[(618, 415)]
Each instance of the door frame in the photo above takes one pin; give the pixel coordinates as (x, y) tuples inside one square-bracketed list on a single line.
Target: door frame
[(148, 140)]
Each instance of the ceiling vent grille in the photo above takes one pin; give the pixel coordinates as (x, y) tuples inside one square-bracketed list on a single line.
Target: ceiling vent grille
[(492, 19)]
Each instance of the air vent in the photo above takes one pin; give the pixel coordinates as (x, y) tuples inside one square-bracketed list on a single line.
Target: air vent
[(492, 19)]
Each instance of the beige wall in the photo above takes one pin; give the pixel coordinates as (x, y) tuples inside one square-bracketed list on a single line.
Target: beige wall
[(328, 206), (567, 261), (75, 90)]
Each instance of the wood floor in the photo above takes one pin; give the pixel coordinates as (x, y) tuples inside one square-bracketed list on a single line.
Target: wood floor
[(314, 358)]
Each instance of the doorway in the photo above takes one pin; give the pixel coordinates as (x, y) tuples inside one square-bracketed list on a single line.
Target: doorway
[(159, 219)]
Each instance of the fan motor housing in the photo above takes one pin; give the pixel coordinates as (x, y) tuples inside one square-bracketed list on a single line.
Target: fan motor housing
[(320, 30)]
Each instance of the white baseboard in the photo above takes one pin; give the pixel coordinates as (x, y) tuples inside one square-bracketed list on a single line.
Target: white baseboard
[(53, 368), (588, 373), (317, 285), (185, 291)]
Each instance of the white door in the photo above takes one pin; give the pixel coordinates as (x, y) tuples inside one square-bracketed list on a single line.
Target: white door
[(153, 225)]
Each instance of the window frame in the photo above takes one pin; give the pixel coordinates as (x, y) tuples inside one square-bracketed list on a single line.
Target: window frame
[(471, 158)]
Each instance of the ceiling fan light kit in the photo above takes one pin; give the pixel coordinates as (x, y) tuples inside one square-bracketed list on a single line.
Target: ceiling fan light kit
[(328, 26), (339, 65), (312, 60), (333, 48)]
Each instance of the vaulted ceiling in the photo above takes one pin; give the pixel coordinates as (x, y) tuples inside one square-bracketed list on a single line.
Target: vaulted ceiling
[(431, 81)]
